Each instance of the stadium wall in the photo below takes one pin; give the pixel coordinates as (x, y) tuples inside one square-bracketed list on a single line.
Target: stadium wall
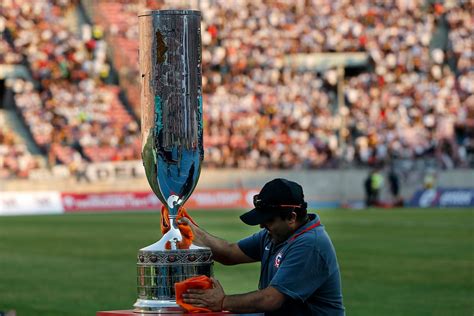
[(323, 188), (323, 184)]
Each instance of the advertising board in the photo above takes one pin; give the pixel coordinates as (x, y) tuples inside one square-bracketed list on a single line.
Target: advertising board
[(30, 203), (443, 197)]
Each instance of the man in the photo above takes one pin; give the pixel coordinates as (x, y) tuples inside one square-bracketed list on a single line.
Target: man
[(394, 185), (369, 195), (299, 271), (377, 185)]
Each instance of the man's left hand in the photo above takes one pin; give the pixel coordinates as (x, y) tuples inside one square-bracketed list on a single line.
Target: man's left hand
[(211, 298)]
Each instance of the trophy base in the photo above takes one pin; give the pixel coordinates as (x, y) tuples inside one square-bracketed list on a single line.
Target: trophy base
[(157, 307), (159, 270)]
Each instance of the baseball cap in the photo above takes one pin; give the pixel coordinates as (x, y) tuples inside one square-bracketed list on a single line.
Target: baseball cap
[(277, 197)]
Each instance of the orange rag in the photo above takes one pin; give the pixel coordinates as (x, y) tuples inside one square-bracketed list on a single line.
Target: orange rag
[(199, 282), (185, 230)]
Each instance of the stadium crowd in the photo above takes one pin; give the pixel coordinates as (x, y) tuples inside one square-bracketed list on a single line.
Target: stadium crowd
[(259, 113), (73, 115), (414, 100), (15, 159)]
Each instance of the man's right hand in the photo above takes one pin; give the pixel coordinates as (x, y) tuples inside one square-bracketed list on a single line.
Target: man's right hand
[(198, 234)]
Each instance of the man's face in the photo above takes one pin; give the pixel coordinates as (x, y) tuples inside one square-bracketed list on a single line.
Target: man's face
[(278, 229)]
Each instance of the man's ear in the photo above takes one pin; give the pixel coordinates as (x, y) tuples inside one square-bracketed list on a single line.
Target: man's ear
[(292, 217)]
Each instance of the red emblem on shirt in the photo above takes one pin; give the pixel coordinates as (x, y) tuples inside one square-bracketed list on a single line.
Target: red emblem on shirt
[(278, 260)]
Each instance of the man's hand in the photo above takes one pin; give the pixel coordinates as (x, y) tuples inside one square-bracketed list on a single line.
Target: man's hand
[(212, 298), (186, 221), (196, 231)]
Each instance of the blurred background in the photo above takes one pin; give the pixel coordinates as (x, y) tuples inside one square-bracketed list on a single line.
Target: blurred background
[(300, 88), (367, 103)]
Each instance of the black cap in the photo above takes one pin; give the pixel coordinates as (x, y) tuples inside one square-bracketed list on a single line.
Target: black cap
[(277, 197)]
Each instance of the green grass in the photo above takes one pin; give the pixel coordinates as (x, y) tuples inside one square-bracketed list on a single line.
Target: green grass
[(393, 262)]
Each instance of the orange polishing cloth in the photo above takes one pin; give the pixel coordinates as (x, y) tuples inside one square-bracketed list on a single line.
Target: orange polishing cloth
[(199, 282), (185, 230)]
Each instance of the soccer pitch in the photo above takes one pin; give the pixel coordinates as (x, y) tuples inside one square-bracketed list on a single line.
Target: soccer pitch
[(393, 262)]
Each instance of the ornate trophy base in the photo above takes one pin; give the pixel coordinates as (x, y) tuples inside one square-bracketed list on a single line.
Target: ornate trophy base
[(159, 270)]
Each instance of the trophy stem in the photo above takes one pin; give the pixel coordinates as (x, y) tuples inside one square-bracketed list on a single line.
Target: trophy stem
[(174, 226)]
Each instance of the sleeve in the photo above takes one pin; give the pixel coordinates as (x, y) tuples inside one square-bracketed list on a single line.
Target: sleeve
[(302, 271), (252, 245)]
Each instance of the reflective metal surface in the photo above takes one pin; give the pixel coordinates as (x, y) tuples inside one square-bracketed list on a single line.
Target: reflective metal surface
[(158, 271), (172, 147), (171, 99)]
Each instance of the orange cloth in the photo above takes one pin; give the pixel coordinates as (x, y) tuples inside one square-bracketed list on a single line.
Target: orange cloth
[(199, 282), (185, 230)]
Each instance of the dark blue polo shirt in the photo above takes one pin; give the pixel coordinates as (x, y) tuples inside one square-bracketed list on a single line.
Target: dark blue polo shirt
[(304, 269)]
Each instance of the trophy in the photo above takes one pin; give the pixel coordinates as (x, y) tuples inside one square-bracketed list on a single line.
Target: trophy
[(172, 148)]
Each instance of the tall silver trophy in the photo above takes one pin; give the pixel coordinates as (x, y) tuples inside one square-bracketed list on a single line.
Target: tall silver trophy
[(172, 147)]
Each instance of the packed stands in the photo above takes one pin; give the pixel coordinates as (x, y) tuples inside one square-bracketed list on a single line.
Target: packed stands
[(74, 116), (413, 102), (15, 159)]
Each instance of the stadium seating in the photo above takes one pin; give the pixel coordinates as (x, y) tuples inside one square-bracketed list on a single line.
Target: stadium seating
[(74, 115), (411, 103), (259, 114), (15, 159)]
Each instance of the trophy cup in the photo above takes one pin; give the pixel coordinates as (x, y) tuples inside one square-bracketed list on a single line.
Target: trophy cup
[(172, 148)]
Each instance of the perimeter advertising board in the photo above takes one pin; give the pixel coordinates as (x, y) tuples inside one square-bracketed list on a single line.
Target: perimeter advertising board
[(126, 201), (443, 197), (30, 203)]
